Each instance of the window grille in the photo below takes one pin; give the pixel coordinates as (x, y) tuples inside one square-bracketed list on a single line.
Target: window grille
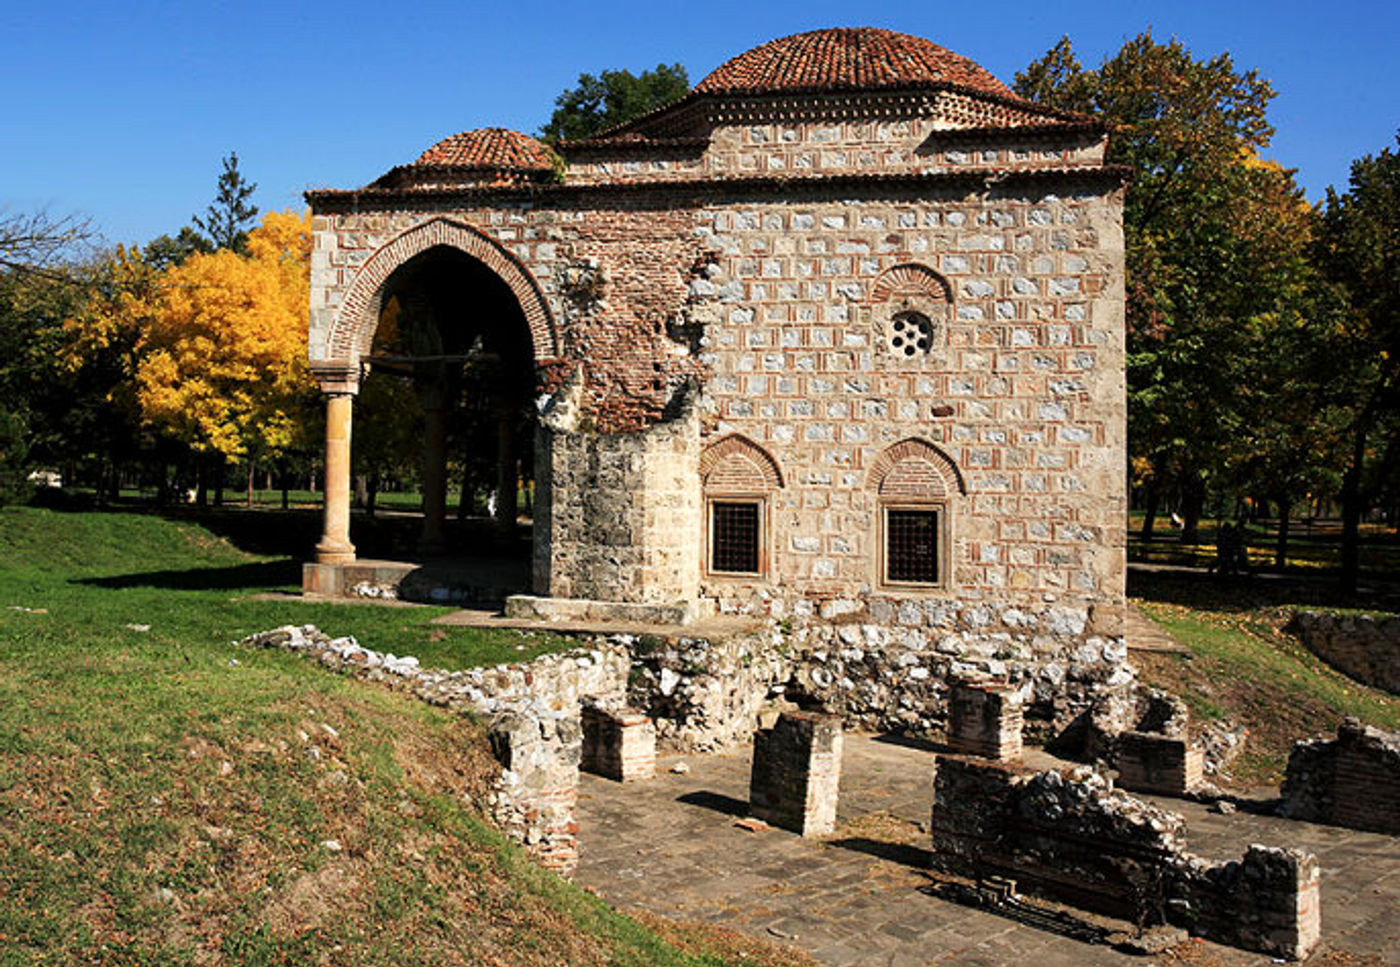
[(734, 537), (911, 546)]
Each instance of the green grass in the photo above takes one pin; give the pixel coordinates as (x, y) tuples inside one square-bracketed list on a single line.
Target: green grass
[(1243, 665), (164, 804)]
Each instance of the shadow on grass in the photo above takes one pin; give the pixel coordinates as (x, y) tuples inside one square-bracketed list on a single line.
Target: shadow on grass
[(1211, 592), (259, 576)]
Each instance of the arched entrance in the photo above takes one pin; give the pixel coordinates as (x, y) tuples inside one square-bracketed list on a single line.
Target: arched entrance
[(445, 311)]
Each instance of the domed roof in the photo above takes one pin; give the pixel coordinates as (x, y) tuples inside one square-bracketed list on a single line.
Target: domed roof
[(499, 149), (846, 58)]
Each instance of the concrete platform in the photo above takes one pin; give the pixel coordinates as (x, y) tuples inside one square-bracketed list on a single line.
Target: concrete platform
[(486, 580), (714, 627)]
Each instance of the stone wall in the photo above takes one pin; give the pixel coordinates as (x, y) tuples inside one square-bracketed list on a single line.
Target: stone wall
[(783, 309), (887, 665), (1363, 646), (533, 798), (618, 514), (1073, 838), (706, 694), (1352, 780)]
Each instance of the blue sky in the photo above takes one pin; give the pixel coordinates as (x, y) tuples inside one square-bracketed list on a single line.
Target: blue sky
[(123, 111)]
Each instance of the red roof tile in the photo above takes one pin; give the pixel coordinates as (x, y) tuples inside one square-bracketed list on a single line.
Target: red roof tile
[(493, 148), (846, 58)]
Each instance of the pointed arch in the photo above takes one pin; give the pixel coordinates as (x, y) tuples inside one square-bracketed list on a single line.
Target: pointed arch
[(915, 469), (352, 332), (910, 279), (738, 465)]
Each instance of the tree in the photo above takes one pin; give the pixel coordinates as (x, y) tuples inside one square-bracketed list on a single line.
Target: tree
[(166, 250), (221, 358), (226, 221), (35, 241), (1207, 261), (611, 98), (1359, 253)]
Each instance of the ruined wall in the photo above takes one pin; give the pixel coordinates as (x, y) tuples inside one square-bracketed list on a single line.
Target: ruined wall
[(619, 515), (1075, 839), (1361, 645), (1352, 780)]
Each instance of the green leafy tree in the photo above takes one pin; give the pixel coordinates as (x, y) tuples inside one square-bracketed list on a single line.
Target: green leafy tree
[(1359, 253), (611, 98), (166, 250), (226, 221), (1204, 268)]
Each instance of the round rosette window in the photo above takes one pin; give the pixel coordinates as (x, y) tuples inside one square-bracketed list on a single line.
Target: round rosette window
[(911, 334)]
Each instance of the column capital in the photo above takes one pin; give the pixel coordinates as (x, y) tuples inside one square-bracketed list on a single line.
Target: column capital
[(338, 378)]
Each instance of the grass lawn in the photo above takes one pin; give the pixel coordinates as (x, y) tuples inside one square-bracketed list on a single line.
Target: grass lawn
[(168, 799)]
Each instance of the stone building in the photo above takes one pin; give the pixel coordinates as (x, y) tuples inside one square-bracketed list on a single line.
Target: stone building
[(840, 332)]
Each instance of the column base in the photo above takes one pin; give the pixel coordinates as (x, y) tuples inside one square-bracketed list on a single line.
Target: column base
[(335, 553)]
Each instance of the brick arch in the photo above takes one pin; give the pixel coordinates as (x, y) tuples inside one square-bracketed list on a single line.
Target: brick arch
[(910, 278), (352, 332), (739, 465), (915, 469)]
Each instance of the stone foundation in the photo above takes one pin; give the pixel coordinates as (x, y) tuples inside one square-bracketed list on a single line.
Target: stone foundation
[(1352, 780), (618, 743), (1365, 647), (985, 720), (797, 773), (1074, 839)]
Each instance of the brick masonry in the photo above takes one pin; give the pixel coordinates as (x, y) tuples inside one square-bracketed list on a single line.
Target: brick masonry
[(985, 720), (797, 773), (1352, 780), (1158, 763), (618, 743)]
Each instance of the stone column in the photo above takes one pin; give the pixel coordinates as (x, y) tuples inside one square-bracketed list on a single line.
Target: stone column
[(335, 546)]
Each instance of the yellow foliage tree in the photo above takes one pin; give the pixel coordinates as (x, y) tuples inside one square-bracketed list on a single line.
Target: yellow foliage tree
[(221, 354)]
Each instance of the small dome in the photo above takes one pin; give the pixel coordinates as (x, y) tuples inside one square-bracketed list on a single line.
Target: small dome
[(499, 149), (846, 58)]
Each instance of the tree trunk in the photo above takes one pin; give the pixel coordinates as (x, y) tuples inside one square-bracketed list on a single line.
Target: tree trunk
[(372, 494), (1193, 500), (1285, 508), (1149, 517), (361, 490), (219, 480), (252, 469), (201, 480)]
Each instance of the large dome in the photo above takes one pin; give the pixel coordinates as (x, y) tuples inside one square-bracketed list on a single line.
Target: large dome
[(846, 58)]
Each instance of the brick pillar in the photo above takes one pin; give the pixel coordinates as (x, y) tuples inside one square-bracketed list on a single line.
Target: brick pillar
[(797, 773), (1158, 763), (618, 744), (985, 720)]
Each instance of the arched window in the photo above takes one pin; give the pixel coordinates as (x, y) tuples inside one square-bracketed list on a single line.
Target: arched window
[(916, 487), (737, 477)]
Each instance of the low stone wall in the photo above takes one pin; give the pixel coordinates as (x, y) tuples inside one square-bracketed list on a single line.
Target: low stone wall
[(892, 671), (705, 695), (985, 720), (1352, 780), (533, 711), (533, 798), (1074, 838), (1364, 647)]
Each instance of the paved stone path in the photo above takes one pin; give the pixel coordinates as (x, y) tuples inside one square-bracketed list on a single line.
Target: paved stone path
[(1141, 633), (671, 846)]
